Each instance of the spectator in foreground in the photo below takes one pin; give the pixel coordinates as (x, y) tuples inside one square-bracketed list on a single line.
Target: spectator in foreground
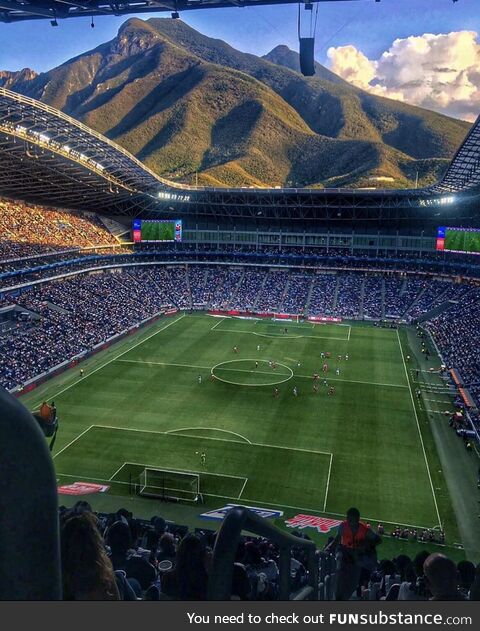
[(466, 576), (475, 588), (166, 548), (188, 579), (416, 590), (442, 578), (86, 569), (355, 545)]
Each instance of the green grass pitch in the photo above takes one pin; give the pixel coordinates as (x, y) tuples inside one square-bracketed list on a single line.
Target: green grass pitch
[(315, 453)]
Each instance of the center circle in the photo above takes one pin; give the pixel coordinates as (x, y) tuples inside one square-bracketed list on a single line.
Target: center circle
[(251, 372)]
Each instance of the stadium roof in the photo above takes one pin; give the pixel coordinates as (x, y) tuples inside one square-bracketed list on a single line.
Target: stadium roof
[(464, 170), (20, 10), (48, 157)]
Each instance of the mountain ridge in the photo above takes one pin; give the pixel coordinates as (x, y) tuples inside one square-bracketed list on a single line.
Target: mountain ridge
[(192, 106)]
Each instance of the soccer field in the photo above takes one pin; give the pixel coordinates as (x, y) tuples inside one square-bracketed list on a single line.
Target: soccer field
[(366, 445)]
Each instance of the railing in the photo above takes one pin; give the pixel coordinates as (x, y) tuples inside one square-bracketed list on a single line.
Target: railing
[(239, 519)]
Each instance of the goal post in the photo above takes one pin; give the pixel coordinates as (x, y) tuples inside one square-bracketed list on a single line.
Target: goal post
[(280, 317), (169, 485)]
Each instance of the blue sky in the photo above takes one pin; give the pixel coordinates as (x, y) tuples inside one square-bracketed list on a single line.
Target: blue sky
[(423, 52), (369, 26)]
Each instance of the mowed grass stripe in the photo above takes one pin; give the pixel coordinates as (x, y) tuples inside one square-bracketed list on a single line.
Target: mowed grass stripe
[(262, 372), (378, 463), (266, 328), (110, 360), (100, 452)]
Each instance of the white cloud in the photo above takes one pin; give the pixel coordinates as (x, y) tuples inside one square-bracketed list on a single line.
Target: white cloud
[(439, 72)]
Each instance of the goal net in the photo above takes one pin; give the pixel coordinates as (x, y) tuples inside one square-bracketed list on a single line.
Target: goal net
[(169, 485)]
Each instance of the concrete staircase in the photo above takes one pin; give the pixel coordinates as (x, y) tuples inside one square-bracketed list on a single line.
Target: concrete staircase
[(335, 295), (260, 290), (309, 295)]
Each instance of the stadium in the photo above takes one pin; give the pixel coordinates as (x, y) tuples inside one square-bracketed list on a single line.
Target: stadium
[(227, 373)]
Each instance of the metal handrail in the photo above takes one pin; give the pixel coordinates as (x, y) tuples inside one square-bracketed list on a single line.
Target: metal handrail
[(239, 519)]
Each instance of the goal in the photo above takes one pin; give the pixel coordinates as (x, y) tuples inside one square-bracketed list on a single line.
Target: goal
[(279, 317), (169, 485)]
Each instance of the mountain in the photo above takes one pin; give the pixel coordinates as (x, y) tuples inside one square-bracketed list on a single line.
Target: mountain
[(11, 79), (284, 56), (185, 103)]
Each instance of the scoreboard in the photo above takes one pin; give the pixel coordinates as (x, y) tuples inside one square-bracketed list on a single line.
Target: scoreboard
[(464, 240), (157, 230)]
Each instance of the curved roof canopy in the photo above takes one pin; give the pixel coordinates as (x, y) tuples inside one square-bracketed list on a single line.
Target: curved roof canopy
[(16, 10), (48, 157)]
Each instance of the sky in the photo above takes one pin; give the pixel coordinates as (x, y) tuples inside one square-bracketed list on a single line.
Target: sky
[(425, 52)]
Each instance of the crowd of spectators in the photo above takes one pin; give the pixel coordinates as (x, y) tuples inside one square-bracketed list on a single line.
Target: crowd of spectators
[(116, 556), (28, 229), (102, 304), (247, 290), (296, 299), (373, 297), (223, 286), (272, 291), (430, 291), (323, 294), (71, 317), (349, 294), (457, 335), (332, 257)]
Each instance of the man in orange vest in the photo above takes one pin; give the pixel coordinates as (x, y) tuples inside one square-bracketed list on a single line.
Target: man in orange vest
[(355, 545)]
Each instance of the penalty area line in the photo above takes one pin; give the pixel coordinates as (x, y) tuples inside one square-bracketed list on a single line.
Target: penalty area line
[(242, 489), (218, 323), (328, 483), (223, 440), (214, 429), (72, 441)]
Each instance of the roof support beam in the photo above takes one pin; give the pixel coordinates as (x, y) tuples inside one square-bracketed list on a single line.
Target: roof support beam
[(32, 9)]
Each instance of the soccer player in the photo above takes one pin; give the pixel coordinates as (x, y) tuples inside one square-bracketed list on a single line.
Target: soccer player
[(322, 355), (235, 349), (325, 367), (276, 392), (295, 391), (258, 347), (339, 358), (325, 382), (346, 357), (203, 458), (331, 390), (337, 371), (315, 376), (199, 379), (81, 373), (286, 330), (315, 388)]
